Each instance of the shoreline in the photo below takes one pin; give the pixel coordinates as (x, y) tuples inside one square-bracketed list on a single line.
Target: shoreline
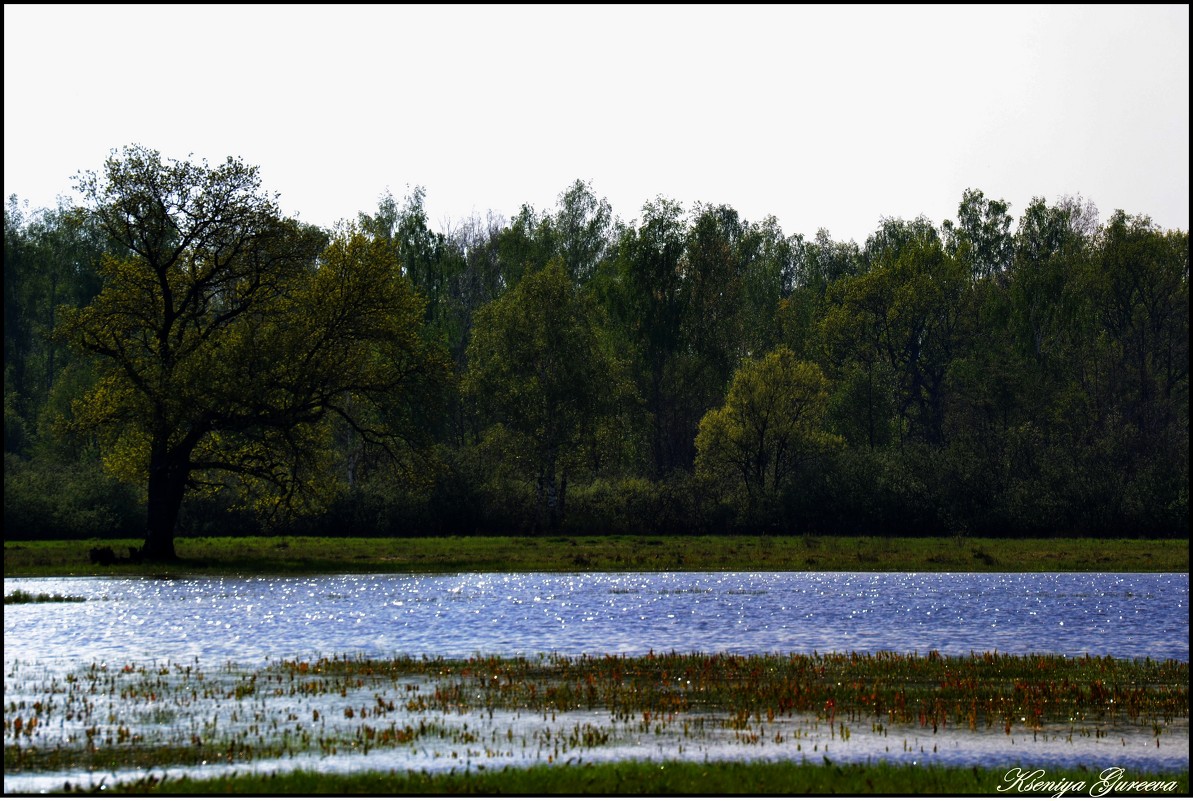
[(287, 555)]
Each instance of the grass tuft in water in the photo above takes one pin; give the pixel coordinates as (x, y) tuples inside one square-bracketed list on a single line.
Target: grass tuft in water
[(106, 717), (22, 597)]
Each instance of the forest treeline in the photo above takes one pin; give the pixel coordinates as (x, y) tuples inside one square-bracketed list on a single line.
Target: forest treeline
[(177, 354)]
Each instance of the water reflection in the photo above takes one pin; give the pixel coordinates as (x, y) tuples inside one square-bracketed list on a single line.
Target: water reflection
[(252, 619), (173, 624), (516, 739)]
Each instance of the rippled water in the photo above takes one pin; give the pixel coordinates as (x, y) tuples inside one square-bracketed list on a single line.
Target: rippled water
[(250, 620)]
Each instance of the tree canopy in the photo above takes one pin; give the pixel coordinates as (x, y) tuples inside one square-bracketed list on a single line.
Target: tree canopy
[(771, 425), (227, 338), (182, 358), (539, 368)]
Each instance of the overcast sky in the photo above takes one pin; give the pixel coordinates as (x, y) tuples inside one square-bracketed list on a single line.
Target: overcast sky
[(825, 117)]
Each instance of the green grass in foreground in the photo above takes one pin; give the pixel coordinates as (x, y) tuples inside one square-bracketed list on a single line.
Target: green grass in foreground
[(311, 555), (675, 778)]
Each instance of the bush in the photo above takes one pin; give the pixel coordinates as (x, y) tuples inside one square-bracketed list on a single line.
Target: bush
[(44, 499), (618, 506)]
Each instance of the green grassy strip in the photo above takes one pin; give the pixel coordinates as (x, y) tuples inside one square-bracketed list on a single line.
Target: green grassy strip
[(313, 555), (671, 778)]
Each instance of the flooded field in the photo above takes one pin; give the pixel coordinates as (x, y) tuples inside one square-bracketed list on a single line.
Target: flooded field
[(259, 618), (480, 671)]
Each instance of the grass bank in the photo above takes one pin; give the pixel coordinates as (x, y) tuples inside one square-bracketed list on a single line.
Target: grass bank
[(674, 778), (311, 555)]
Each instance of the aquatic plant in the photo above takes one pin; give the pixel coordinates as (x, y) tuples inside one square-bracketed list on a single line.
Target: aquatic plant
[(933, 690), (103, 716), (22, 597)]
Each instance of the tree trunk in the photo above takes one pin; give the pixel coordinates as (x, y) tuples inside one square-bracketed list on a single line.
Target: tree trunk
[(563, 495), (168, 470), (548, 487)]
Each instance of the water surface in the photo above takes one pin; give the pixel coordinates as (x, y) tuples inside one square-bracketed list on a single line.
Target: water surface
[(235, 626), (252, 619)]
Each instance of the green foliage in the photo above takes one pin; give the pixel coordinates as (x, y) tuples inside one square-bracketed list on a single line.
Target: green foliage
[(583, 229), (981, 238), (539, 368), (903, 314), (769, 430), (51, 260), (675, 504), (229, 339), (623, 506), (244, 372), (47, 499), (643, 294)]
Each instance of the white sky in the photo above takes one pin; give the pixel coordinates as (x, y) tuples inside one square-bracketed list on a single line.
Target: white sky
[(826, 117)]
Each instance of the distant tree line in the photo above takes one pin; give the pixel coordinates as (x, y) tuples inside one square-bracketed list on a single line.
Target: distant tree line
[(179, 358)]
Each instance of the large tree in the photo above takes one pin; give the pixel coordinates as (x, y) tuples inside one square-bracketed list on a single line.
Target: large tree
[(982, 238), (772, 424), (645, 297), (230, 338), (539, 367), (904, 313)]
